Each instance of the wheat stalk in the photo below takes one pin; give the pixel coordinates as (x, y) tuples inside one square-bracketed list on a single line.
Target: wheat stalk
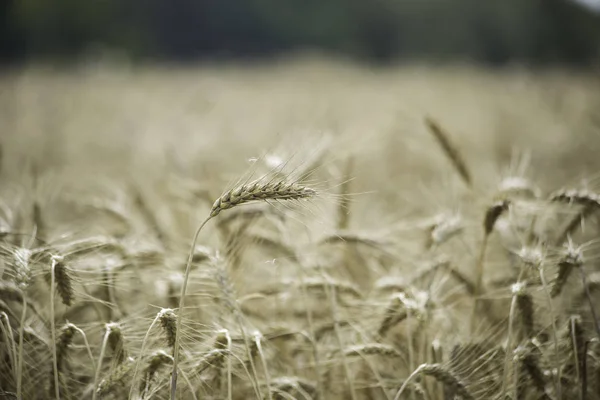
[(577, 343), (492, 215), (246, 193), (10, 341), (167, 319), (257, 341), (22, 258), (112, 337), (55, 262), (442, 375)]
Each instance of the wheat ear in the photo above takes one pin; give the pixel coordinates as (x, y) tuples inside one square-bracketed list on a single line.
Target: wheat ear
[(531, 363), (115, 379), (492, 215), (442, 375), (287, 383), (157, 360), (64, 285), (450, 149), (394, 315), (372, 349), (253, 191), (525, 305)]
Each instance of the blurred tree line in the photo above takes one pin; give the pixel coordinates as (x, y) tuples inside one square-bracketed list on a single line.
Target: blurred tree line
[(494, 32)]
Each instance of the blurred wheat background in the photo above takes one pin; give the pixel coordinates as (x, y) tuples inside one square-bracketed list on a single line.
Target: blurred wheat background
[(381, 225)]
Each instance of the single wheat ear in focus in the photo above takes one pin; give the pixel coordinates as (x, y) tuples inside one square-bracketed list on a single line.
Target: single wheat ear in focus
[(279, 189)]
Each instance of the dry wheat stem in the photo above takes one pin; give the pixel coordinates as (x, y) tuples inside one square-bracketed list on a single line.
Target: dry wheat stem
[(225, 332), (20, 361), (105, 340), (554, 331), (577, 343), (516, 288), (53, 330), (10, 341), (257, 337), (180, 308), (87, 346), (588, 294), (332, 295), (246, 193), (491, 217), (158, 317), (312, 333), (227, 290), (439, 373)]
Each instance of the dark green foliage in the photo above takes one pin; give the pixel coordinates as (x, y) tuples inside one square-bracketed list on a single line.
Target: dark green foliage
[(382, 30)]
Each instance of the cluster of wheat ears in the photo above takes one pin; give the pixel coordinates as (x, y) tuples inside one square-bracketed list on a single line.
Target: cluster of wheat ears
[(331, 316)]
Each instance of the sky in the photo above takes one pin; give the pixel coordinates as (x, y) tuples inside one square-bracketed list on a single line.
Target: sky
[(593, 5)]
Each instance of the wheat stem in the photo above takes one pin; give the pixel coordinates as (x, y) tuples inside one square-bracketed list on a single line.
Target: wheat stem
[(253, 191), (53, 331), (338, 336), (87, 346), (264, 364), (588, 294), (9, 340), (99, 366), (140, 356), (20, 361), (181, 305), (516, 288), (557, 380)]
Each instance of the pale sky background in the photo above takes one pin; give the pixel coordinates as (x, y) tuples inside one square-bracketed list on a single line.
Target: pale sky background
[(591, 4)]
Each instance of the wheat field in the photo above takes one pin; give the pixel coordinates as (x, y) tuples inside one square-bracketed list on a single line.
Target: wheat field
[(413, 232)]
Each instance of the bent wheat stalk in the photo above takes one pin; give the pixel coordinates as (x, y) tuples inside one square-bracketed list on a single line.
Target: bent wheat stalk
[(442, 375), (254, 191)]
